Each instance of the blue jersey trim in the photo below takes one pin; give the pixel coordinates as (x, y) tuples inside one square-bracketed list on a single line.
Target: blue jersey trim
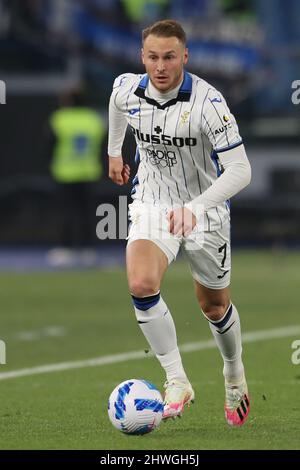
[(237, 144), (144, 81), (187, 83), (137, 156), (215, 159), (186, 86), (184, 92)]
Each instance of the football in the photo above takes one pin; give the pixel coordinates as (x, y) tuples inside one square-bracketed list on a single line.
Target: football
[(135, 407)]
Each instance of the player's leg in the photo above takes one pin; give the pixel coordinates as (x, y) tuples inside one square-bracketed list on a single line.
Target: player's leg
[(224, 323), (210, 266), (146, 265)]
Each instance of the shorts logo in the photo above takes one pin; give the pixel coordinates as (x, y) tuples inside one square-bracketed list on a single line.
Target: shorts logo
[(162, 157)]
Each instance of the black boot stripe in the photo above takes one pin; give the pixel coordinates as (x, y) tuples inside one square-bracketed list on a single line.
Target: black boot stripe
[(246, 400), (243, 407), (240, 414)]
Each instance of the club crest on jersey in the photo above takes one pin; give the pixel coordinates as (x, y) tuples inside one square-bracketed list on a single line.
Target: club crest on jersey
[(184, 117), (163, 139)]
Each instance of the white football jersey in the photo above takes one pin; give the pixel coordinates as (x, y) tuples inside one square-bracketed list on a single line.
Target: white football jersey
[(178, 141)]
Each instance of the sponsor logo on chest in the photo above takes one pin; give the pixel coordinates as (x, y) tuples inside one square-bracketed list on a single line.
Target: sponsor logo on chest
[(163, 139)]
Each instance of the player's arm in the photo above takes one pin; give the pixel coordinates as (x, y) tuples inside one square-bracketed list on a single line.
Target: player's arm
[(236, 176), (230, 151), (182, 221), (118, 172)]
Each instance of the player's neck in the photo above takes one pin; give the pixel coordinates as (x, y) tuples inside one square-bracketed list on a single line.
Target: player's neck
[(158, 95)]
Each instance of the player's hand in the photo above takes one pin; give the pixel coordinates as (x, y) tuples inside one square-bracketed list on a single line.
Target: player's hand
[(182, 222), (118, 172)]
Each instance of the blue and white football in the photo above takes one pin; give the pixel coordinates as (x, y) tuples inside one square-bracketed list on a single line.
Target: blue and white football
[(135, 407)]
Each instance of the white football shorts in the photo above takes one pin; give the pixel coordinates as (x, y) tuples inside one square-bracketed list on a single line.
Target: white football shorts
[(208, 253)]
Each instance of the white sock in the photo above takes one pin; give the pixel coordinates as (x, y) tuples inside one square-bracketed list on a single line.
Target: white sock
[(157, 325), (227, 334)]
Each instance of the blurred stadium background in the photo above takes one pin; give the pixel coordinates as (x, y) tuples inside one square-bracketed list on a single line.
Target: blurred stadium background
[(250, 50)]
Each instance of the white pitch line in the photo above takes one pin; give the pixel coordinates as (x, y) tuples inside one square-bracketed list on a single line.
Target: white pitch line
[(250, 337)]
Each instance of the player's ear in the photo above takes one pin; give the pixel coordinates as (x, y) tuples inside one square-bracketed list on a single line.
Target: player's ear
[(142, 55), (185, 56)]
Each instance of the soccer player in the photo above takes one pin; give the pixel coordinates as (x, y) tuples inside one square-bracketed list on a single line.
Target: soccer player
[(191, 161)]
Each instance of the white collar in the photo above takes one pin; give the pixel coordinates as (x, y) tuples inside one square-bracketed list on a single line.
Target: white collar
[(154, 93)]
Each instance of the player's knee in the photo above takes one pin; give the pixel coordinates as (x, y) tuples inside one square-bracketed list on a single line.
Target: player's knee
[(213, 310), (143, 287)]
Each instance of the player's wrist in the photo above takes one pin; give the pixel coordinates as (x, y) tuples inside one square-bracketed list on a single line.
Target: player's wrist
[(197, 208)]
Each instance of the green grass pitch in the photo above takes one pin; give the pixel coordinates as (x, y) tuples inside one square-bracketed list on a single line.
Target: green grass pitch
[(68, 409)]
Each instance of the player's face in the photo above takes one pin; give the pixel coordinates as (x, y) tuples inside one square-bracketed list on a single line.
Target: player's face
[(164, 59)]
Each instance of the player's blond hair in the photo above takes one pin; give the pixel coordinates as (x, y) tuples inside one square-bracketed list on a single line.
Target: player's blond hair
[(167, 29)]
